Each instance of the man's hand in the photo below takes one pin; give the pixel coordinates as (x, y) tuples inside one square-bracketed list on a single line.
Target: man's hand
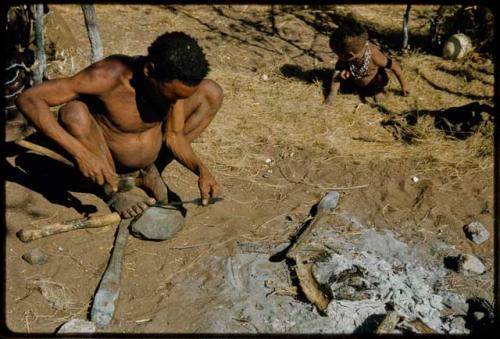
[(97, 170), (208, 186)]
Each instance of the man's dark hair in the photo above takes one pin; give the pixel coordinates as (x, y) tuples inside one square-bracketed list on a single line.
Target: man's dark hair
[(176, 55), (349, 28)]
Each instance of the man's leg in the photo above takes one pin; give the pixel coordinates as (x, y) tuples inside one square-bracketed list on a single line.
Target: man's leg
[(76, 118), (200, 109)]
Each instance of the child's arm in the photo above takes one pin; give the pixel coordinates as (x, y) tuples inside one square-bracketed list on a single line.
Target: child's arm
[(381, 60), (339, 74), (334, 88)]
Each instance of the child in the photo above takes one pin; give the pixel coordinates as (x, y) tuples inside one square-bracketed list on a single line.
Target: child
[(360, 64)]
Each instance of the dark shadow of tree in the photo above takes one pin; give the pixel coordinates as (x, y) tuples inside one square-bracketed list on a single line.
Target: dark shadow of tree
[(263, 32), (459, 122), (322, 75), (389, 39), (321, 20)]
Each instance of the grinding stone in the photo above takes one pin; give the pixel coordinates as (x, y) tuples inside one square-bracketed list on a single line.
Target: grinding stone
[(157, 223)]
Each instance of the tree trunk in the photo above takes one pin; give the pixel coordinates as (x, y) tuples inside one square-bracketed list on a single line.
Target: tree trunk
[(406, 18), (94, 37), (40, 69)]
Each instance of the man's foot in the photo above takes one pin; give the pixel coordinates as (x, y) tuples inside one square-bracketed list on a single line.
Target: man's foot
[(151, 181), (131, 203)]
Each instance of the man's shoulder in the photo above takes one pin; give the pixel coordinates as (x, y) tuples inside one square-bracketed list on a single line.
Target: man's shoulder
[(113, 66), (120, 60)]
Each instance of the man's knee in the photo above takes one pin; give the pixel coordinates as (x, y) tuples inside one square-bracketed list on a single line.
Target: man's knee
[(75, 117), (212, 92)]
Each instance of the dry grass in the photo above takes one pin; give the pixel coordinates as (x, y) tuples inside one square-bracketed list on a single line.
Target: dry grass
[(284, 115)]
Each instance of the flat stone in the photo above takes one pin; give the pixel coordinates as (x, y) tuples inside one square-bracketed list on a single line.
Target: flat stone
[(469, 264), (478, 315), (456, 303), (36, 257), (476, 232), (77, 326), (457, 326), (157, 223)]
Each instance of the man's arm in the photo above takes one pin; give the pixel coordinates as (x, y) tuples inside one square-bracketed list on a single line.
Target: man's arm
[(381, 60), (183, 152), (35, 104)]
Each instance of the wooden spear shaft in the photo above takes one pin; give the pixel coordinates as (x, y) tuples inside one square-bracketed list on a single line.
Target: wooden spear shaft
[(69, 225)]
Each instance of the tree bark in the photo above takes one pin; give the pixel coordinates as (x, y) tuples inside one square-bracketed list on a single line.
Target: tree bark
[(406, 19), (94, 37), (40, 69)]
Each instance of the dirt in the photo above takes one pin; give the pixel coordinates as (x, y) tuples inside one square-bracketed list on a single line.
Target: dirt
[(274, 148)]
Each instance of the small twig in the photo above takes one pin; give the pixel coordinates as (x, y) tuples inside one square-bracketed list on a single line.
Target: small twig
[(340, 188), (277, 216), (189, 246)]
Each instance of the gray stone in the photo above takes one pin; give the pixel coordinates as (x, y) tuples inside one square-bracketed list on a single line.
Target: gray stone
[(476, 232), (157, 223), (469, 264), (478, 315), (36, 257), (456, 325), (77, 326), (456, 303)]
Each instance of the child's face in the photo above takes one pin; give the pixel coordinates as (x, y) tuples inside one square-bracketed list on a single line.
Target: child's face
[(355, 48)]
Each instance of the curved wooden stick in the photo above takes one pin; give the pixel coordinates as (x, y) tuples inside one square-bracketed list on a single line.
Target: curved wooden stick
[(43, 151), (125, 183), (65, 226)]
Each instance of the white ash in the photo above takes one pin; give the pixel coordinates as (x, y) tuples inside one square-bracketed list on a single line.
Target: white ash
[(408, 277), (365, 276)]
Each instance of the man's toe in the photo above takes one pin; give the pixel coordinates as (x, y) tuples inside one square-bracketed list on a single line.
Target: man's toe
[(138, 209)]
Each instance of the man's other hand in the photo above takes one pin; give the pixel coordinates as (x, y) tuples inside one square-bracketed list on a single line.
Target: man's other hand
[(208, 187)]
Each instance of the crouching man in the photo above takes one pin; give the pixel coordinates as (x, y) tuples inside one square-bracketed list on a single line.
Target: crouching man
[(128, 115)]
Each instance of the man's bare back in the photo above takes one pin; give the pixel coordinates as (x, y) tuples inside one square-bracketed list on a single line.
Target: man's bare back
[(120, 113)]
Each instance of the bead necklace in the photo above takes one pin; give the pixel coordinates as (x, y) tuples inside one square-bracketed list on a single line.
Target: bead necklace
[(359, 72)]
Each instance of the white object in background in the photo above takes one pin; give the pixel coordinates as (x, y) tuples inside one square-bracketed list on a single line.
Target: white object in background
[(457, 46)]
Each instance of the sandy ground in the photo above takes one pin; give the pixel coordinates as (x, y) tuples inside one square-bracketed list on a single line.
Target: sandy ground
[(312, 149)]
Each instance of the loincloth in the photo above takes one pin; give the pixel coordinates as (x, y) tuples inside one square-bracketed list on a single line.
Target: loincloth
[(375, 86)]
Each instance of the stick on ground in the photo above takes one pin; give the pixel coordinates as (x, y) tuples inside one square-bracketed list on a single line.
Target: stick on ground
[(69, 225)]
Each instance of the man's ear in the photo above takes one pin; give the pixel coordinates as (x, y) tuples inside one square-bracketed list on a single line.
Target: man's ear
[(149, 69)]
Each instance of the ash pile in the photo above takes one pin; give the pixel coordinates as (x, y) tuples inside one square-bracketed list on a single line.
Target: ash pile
[(378, 273), (368, 278)]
